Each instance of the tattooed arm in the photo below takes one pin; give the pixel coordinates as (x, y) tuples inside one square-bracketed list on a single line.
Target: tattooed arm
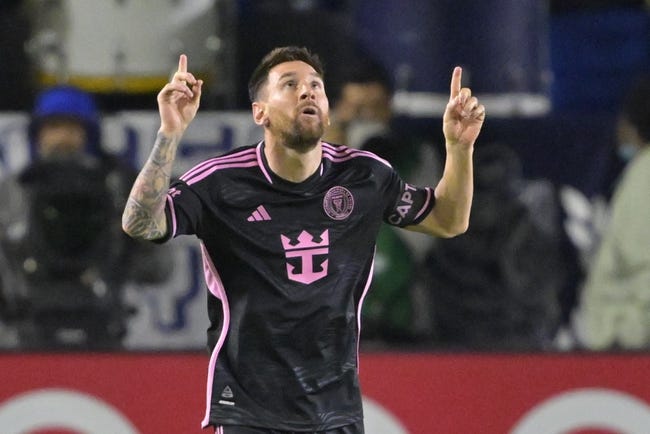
[(178, 102)]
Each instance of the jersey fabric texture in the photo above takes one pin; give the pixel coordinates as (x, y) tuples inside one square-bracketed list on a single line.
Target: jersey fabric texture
[(356, 428), (287, 266)]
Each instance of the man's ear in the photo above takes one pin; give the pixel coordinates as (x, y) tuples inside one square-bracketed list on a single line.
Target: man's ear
[(259, 113)]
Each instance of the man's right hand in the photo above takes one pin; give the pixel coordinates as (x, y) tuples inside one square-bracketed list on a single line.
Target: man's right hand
[(179, 100)]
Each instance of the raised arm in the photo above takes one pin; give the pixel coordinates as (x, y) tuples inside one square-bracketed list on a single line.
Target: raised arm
[(462, 124), (178, 102)]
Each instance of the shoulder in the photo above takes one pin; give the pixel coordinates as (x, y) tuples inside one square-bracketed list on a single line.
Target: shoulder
[(238, 158), (636, 176), (344, 154), (640, 166)]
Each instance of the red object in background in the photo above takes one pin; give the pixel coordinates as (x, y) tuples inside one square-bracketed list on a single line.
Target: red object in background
[(595, 431), (159, 393), (490, 393), (444, 393), (54, 431)]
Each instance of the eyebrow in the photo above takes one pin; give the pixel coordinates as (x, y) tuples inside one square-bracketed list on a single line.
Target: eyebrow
[(292, 74)]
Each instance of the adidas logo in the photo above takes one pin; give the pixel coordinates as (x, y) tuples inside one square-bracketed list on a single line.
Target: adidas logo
[(227, 393), (260, 214)]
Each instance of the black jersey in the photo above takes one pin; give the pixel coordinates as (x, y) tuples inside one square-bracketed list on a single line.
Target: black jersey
[(287, 266)]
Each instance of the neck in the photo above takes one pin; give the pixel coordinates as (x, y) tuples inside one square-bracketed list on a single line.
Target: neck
[(292, 164)]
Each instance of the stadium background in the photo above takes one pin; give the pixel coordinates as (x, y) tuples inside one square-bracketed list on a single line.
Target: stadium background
[(550, 73)]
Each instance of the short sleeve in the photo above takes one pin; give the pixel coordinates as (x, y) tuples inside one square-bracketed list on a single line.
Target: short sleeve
[(183, 210)]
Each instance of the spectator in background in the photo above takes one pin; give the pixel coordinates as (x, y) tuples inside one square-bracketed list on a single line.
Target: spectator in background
[(614, 307), (498, 286), (363, 118), (63, 255), (362, 108)]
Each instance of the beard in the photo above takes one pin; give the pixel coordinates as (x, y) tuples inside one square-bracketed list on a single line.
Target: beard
[(303, 137), (298, 134)]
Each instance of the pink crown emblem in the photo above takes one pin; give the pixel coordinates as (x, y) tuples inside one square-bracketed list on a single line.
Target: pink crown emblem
[(305, 241)]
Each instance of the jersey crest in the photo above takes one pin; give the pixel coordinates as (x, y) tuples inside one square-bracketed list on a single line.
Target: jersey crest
[(338, 203)]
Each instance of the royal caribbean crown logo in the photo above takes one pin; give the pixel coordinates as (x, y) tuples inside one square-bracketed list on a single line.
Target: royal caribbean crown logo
[(306, 248)]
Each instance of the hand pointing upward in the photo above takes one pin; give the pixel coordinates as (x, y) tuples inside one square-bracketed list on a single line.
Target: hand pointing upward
[(463, 116), (179, 100)]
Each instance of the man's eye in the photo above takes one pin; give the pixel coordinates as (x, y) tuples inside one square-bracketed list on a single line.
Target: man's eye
[(290, 84)]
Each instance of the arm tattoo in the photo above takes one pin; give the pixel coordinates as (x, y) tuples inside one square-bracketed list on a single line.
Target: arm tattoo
[(144, 214)]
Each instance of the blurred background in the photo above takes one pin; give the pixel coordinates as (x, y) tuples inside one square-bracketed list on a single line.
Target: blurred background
[(549, 288), (552, 74)]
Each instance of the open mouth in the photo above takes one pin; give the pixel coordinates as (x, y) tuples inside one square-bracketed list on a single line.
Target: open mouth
[(309, 110)]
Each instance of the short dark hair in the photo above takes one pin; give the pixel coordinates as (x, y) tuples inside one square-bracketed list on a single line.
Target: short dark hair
[(277, 56), (363, 70), (367, 70)]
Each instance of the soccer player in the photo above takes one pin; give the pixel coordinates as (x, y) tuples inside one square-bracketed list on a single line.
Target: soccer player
[(287, 228)]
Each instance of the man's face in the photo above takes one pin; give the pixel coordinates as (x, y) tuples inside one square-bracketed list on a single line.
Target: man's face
[(293, 105), (364, 101), (60, 138)]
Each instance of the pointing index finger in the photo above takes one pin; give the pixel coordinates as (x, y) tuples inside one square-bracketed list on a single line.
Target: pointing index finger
[(455, 82), (182, 63)]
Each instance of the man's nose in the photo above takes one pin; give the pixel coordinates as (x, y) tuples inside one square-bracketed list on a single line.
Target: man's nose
[(306, 91)]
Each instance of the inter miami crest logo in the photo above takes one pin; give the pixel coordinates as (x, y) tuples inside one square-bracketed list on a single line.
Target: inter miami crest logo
[(338, 203)]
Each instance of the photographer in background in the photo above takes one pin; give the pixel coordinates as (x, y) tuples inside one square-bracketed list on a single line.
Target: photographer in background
[(614, 304), (63, 257), (396, 309)]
